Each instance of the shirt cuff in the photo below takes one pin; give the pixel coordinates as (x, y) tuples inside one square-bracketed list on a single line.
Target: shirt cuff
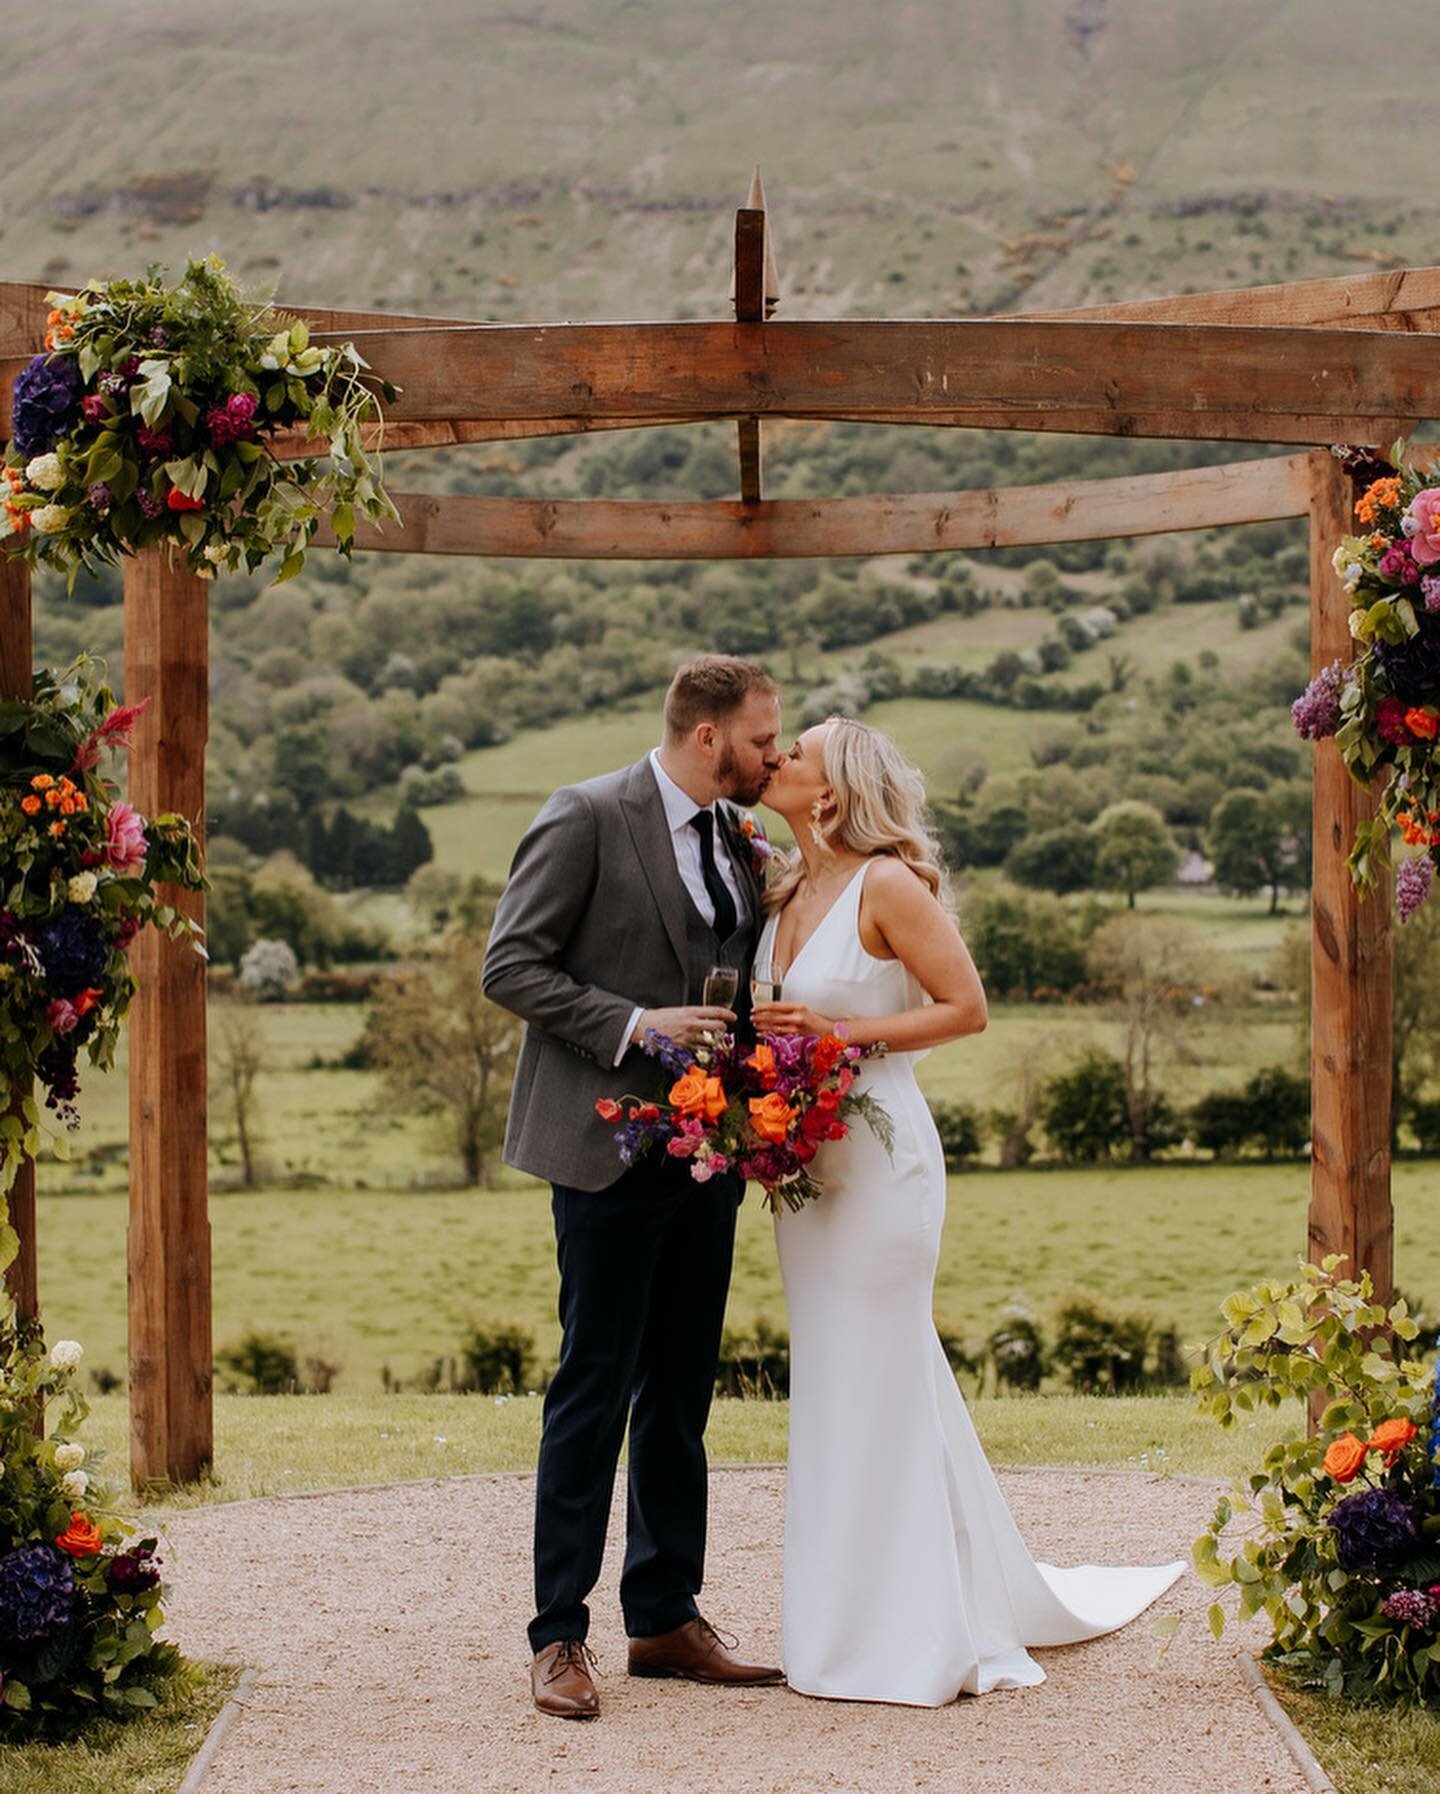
[(628, 1035)]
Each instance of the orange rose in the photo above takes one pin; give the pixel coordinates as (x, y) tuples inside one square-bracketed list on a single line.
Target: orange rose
[(1344, 1458), (30, 805), (697, 1094), (770, 1116), (1392, 1436), (81, 1538), (763, 1061), (1423, 723)]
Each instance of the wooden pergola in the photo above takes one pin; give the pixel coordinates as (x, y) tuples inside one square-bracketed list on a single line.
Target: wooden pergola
[(1309, 363)]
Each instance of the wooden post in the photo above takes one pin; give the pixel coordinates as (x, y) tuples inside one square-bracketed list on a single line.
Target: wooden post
[(171, 1414), (16, 674), (1350, 1038)]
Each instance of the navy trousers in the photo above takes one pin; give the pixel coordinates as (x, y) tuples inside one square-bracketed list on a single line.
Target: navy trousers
[(644, 1272)]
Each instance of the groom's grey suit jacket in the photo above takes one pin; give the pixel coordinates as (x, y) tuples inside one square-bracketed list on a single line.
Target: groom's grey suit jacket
[(594, 922)]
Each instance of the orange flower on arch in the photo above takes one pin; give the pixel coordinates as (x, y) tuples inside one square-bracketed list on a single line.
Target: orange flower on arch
[(81, 1538), (1392, 1436), (1345, 1458)]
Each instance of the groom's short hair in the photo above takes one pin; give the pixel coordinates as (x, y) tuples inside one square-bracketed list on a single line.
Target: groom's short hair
[(710, 689)]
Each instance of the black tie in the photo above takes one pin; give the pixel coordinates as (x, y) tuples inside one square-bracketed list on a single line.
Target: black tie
[(703, 822)]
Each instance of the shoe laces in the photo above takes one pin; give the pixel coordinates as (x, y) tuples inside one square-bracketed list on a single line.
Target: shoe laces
[(574, 1653), (714, 1636)]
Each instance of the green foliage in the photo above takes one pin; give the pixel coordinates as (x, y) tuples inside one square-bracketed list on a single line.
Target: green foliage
[(1024, 943), (498, 1358), (1270, 1113), (754, 1362), (1323, 1337), (259, 1363), (958, 1125), (1084, 1110), (1105, 1351), (1262, 838), (1017, 1350), (1134, 848)]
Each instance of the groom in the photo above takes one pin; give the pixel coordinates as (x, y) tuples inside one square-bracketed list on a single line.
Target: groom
[(622, 895)]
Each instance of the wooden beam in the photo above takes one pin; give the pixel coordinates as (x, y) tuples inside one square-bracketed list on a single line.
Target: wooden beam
[(749, 309), (1395, 299), (16, 680), (400, 438), (1350, 1039), (171, 1417), (1230, 426), (911, 370), (624, 529)]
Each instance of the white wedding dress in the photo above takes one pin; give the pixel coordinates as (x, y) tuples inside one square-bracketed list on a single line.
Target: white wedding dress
[(906, 1578)]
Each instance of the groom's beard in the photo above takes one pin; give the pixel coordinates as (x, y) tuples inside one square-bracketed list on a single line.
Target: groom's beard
[(738, 791)]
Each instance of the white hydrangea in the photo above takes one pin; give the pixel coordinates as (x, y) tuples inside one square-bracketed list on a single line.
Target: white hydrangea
[(82, 887), (217, 553), (74, 1484), (44, 473), (65, 1354), (69, 1457), (50, 519)]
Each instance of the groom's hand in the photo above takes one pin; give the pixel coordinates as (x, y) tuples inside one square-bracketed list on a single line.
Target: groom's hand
[(686, 1027)]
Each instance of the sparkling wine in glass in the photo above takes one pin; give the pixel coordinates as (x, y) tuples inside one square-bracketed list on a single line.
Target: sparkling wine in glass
[(765, 981), (722, 985)]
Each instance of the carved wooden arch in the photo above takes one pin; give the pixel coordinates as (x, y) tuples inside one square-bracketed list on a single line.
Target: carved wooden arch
[(1307, 362)]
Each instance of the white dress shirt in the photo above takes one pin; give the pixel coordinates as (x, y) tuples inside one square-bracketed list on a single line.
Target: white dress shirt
[(680, 810)]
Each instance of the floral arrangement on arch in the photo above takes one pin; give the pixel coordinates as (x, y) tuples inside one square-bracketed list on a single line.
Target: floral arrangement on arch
[(80, 1595), (78, 875), (764, 1111), (1342, 1547), (149, 420), (1383, 706)]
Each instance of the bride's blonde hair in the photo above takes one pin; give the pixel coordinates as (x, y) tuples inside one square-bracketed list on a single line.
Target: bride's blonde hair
[(879, 809)]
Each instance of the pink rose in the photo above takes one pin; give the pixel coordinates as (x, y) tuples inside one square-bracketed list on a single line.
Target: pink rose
[(241, 406), (1396, 563), (62, 1015), (125, 840), (129, 927), (681, 1146), (95, 408), (1425, 510)]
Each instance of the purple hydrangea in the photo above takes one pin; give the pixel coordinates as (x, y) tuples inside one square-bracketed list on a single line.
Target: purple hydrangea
[(73, 952), (1413, 878), (1411, 1607), (1374, 1530), (1316, 712), (1413, 666), (37, 1593), (46, 404)]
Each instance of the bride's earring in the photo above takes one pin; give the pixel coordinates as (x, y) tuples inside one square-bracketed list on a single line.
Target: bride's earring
[(817, 810)]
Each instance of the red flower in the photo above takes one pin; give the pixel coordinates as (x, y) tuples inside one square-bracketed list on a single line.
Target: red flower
[(94, 407), (181, 501), (84, 1001), (80, 1538), (1390, 721), (647, 1112), (608, 1109)]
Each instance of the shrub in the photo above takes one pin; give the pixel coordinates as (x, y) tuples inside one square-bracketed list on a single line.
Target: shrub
[(755, 1363), (1017, 1350), (1084, 1110), (498, 1358), (958, 1126), (1100, 1350), (259, 1364)]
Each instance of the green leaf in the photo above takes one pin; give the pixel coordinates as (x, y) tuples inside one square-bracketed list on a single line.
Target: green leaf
[(1217, 1619), (342, 521)]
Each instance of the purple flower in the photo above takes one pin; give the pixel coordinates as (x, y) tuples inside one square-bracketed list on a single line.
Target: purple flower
[(1374, 1530), (73, 952), (37, 1594), (159, 336), (674, 1058), (150, 505), (1413, 667), (1430, 591), (46, 403), (1413, 878), (99, 498), (1362, 464), (1316, 712), (134, 1572), (114, 384), (56, 1070), (232, 422), (1411, 1607), (155, 442)]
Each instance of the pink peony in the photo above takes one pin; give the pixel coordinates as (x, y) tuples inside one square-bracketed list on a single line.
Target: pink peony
[(125, 840), (241, 406), (129, 927), (1425, 510), (62, 1015)]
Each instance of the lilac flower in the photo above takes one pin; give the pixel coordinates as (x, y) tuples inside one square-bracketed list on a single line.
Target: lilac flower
[(99, 498), (1430, 591), (113, 384), (1316, 712), (1374, 1529), (1411, 1607), (149, 505), (1413, 878), (37, 1593), (46, 404)]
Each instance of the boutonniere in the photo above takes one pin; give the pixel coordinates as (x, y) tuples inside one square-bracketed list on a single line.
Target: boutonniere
[(760, 848)]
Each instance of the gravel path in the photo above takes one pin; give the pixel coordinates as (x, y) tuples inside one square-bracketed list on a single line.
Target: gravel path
[(388, 1629)]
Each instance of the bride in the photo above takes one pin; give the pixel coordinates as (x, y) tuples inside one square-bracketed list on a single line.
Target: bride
[(906, 1578)]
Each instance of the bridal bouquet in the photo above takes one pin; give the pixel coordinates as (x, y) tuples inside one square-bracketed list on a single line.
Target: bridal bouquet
[(78, 876), (764, 1111), (149, 420), (1383, 706), (1342, 1550)]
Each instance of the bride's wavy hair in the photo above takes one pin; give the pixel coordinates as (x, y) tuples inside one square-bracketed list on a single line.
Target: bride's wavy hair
[(880, 808)]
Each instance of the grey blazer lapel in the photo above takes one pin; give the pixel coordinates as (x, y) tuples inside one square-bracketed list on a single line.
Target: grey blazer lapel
[(644, 814)]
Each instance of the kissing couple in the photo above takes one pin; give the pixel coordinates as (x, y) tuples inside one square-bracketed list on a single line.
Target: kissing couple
[(905, 1576)]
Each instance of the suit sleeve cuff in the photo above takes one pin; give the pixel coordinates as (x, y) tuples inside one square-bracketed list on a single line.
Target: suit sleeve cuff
[(627, 1036)]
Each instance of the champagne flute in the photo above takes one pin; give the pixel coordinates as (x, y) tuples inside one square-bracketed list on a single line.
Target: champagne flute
[(722, 986), (765, 978)]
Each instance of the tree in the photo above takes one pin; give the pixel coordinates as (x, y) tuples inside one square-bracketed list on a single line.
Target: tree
[(1260, 838), (1084, 1110), (446, 1050), (958, 1126), (1023, 941), (1060, 860), (268, 969), (1135, 849), (238, 1056)]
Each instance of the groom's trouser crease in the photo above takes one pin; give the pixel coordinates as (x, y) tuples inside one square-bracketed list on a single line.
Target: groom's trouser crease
[(644, 1271)]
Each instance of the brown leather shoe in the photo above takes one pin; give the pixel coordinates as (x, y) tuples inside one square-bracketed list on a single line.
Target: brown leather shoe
[(560, 1680), (697, 1652)]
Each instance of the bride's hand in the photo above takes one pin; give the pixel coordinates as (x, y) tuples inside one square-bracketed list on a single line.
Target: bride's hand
[(789, 1018)]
